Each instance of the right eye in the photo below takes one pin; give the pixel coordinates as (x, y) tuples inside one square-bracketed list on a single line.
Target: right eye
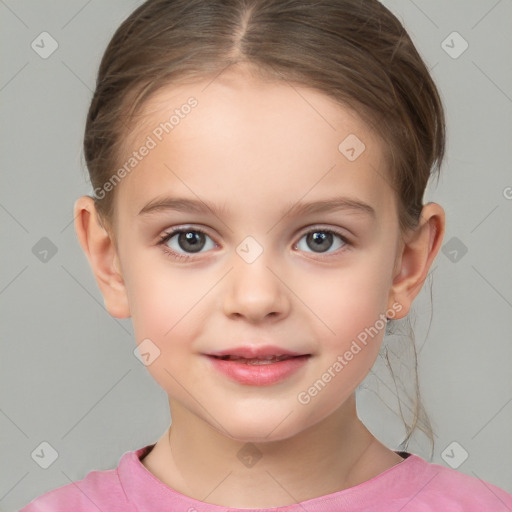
[(188, 240)]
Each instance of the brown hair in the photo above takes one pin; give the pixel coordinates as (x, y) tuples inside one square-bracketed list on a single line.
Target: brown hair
[(355, 51)]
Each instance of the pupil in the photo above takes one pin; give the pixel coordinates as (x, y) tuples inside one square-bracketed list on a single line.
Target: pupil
[(191, 241), (321, 240), (194, 241)]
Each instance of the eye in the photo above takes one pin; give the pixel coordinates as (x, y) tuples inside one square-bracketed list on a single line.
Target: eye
[(189, 240), (183, 243), (321, 240)]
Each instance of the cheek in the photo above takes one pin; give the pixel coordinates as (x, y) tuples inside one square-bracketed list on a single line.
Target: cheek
[(166, 309), (346, 309), (160, 302), (342, 303), (168, 303)]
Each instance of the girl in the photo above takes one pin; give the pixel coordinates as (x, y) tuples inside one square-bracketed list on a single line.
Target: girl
[(258, 170)]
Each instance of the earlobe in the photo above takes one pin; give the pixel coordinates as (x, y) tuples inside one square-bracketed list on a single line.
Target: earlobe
[(419, 250), (101, 252)]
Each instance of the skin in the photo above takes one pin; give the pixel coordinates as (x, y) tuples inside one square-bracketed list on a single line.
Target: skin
[(254, 147)]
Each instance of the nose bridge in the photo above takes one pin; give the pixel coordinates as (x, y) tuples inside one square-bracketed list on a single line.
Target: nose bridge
[(254, 290)]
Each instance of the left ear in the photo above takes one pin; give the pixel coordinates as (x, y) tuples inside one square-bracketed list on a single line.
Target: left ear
[(419, 248)]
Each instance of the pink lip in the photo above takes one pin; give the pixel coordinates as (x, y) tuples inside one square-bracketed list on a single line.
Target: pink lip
[(253, 352), (259, 374)]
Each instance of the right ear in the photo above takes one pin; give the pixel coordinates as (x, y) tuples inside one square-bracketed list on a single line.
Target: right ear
[(101, 252)]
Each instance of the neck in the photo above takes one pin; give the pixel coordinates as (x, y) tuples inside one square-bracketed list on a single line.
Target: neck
[(336, 453)]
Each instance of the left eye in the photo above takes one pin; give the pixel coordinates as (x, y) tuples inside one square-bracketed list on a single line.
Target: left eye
[(321, 240)]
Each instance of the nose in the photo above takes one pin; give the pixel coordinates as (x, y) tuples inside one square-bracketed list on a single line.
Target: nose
[(256, 291)]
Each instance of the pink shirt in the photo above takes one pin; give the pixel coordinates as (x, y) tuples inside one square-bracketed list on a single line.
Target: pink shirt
[(411, 485)]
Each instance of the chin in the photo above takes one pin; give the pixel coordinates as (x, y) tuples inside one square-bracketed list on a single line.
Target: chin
[(261, 429)]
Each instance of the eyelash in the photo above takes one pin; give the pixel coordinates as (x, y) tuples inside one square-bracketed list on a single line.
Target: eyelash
[(185, 257)]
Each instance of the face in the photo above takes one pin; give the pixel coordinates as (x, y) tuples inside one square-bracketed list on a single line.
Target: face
[(256, 266)]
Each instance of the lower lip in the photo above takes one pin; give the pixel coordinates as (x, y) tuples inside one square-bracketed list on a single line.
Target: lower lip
[(259, 374)]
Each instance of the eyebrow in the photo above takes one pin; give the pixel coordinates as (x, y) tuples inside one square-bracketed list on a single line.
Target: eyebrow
[(197, 206)]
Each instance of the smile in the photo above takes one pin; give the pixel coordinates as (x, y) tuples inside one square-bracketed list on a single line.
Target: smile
[(260, 371)]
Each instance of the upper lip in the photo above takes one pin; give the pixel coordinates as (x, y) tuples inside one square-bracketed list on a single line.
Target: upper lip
[(253, 352)]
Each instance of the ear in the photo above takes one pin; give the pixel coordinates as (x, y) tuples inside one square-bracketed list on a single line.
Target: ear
[(99, 247), (419, 248)]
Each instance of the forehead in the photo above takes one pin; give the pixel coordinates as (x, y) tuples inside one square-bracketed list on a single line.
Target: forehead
[(236, 139)]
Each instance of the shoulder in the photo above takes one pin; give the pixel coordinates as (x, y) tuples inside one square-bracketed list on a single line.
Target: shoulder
[(99, 489), (440, 486)]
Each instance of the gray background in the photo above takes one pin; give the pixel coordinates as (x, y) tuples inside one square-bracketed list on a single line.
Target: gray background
[(69, 375)]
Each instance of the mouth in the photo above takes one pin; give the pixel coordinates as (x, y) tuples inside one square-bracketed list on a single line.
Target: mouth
[(263, 370), (262, 360)]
